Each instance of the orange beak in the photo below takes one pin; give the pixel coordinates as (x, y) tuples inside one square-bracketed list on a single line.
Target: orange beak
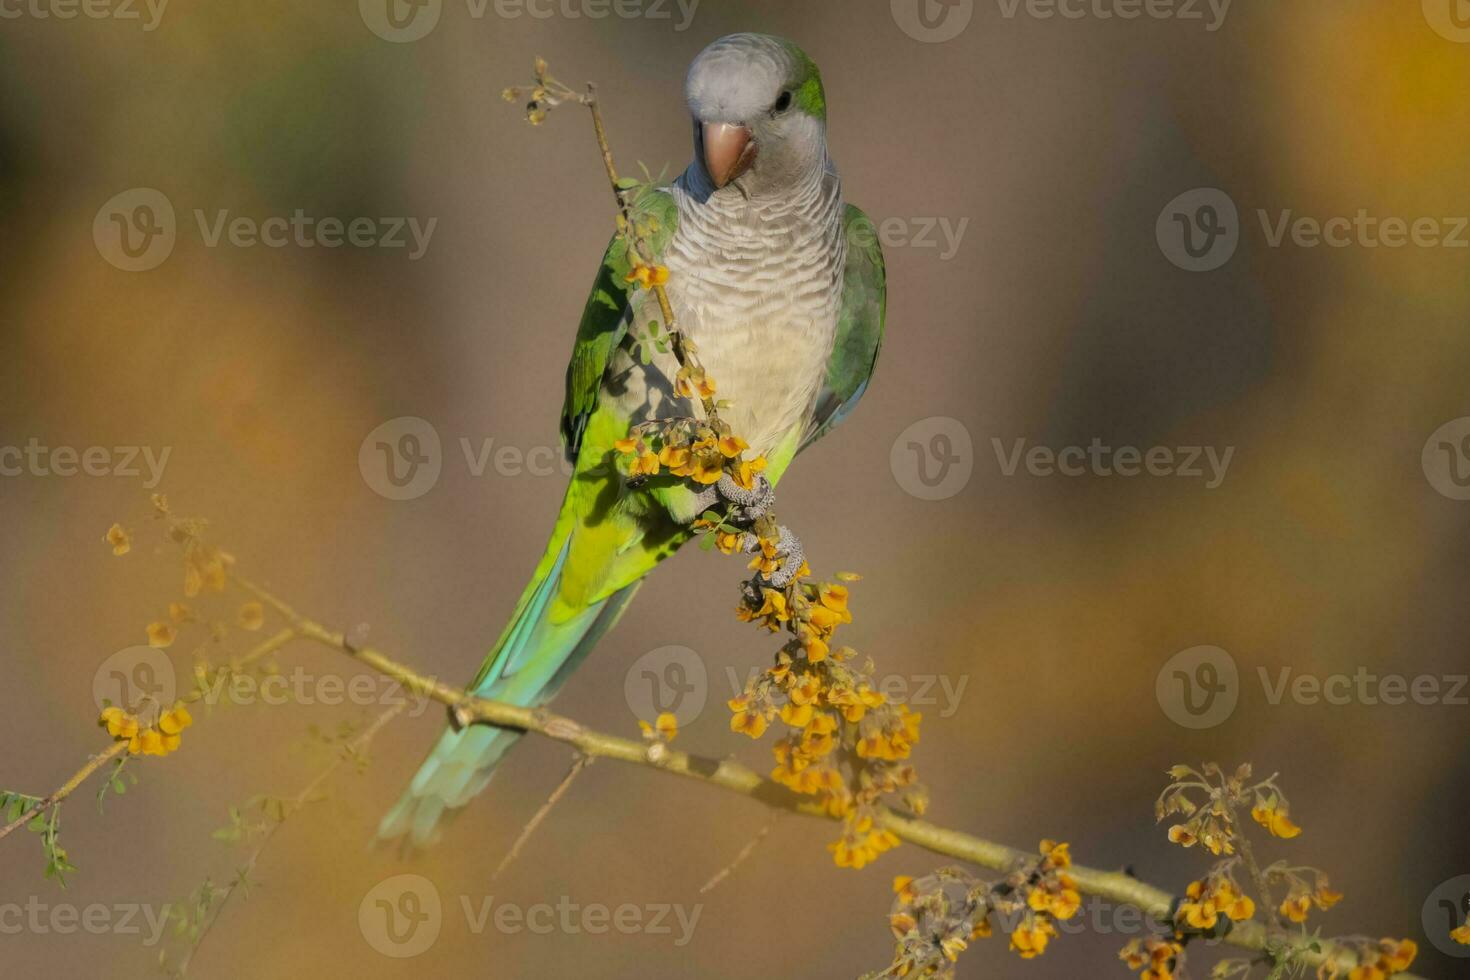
[(728, 151)]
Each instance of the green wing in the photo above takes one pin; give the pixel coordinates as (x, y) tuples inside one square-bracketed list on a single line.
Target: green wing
[(859, 327), (605, 318)]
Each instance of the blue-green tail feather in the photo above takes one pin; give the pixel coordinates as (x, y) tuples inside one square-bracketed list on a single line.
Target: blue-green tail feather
[(533, 659)]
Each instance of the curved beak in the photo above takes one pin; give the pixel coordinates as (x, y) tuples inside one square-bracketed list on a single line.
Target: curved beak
[(728, 150)]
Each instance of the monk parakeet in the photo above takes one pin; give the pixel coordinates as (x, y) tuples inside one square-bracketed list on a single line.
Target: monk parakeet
[(780, 285)]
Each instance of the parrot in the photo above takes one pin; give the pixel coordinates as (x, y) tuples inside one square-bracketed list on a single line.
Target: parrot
[(781, 287)]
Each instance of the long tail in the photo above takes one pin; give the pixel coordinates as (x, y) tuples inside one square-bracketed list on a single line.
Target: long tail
[(534, 657)]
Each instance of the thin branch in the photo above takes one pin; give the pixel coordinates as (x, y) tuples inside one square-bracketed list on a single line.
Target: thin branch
[(467, 709), (745, 852), (578, 764)]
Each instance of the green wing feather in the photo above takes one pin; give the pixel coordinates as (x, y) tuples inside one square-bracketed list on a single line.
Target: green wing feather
[(605, 318), (859, 327)]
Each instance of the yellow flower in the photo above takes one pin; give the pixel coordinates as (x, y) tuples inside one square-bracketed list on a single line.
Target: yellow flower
[(1030, 938), (747, 721), (647, 276), (161, 635), (627, 446), (1182, 835), (1236, 905), (1057, 855), (175, 720), (746, 470), (121, 541), (1398, 955), (148, 742), (796, 715), (732, 446), (1461, 935), (665, 726), (766, 560), (1296, 906), (676, 458), (180, 612), (773, 611), (252, 616), (119, 723), (807, 689), (903, 887), (1200, 911), (645, 465), (1273, 817), (707, 463)]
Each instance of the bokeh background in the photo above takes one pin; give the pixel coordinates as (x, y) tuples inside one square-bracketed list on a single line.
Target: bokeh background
[(1059, 319)]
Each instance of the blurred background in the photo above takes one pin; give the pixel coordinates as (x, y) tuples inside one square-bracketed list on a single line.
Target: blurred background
[(1064, 307)]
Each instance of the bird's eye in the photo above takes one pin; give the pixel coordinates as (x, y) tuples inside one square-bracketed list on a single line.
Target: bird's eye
[(784, 102)]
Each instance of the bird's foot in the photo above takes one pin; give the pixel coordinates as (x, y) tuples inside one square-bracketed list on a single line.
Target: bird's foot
[(788, 549), (750, 505)]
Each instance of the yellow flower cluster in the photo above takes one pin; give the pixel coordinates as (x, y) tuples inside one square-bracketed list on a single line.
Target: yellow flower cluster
[(1156, 958), (700, 454), (159, 739), (826, 706), (1461, 934), (1300, 899), (1206, 901), (1376, 961), (1051, 896), (933, 925)]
